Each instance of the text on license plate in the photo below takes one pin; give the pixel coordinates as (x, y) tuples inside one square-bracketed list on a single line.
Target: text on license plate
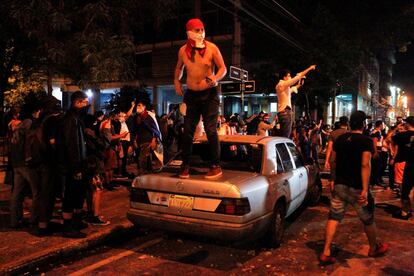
[(182, 202)]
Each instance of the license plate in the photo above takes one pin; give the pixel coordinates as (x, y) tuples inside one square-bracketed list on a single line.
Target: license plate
[(181, 202)]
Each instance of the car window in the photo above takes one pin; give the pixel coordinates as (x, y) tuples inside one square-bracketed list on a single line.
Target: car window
[(297, 157), (284, 155), (240, 156), (279, 163)]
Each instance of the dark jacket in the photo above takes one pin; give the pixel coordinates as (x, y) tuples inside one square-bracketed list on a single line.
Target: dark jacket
[(71, 143)]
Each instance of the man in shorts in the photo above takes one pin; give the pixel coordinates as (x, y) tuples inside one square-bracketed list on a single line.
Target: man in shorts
[(351, 161)]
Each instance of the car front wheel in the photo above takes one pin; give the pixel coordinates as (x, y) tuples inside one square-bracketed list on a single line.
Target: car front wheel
[(277, 226)]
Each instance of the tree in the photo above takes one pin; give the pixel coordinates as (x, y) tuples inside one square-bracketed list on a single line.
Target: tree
[(89, 41), (23, 90), (123, 98)]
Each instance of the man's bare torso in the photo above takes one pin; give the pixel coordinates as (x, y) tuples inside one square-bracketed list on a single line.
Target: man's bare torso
[(200, 69)]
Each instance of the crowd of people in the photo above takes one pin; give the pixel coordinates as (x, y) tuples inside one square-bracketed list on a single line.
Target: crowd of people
[(73, 156)]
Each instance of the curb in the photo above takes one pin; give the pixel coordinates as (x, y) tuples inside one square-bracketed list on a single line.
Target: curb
[(68, 249)]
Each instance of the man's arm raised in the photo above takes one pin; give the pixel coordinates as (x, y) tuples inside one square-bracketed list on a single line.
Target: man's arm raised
[(178, 73), (304, 72)]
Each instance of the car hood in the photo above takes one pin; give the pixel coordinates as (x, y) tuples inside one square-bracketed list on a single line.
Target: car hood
[(230, 184)]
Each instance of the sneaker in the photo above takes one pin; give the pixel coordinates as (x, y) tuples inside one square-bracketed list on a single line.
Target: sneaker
[(214, 172), (70, 232), (380, 249), (401, 216), (184, 172), (96, 220), (326, 260)]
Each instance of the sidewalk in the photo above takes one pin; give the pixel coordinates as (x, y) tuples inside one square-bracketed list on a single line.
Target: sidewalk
[(20, 249)]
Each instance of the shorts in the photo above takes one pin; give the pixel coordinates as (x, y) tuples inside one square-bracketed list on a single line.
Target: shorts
[(399, 172), (342, 196)]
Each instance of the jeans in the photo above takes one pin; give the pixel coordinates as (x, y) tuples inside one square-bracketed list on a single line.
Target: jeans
[(206, 104), (285, 121), (23, 175), (342, 196)]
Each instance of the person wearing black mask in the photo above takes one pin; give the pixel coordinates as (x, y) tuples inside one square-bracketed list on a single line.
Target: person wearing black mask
[(71, 149)]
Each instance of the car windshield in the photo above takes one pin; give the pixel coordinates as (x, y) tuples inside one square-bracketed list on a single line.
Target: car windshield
[(241, 157)]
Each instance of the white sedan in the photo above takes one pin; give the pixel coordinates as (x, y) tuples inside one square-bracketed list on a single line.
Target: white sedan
[(265, 179)]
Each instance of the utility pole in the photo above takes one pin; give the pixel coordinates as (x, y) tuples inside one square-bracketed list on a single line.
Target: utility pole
[(236, 53), (236, 57), (197, 8)]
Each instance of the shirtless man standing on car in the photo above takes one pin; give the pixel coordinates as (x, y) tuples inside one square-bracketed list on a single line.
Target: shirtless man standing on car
[(200, 57)]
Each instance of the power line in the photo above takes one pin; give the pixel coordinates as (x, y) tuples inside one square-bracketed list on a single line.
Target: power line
[(278, 33), (243, 19), (277, 28), (277, 10), (286, 11)]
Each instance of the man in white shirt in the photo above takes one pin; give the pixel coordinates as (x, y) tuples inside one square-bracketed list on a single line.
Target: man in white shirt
[(284, 90)]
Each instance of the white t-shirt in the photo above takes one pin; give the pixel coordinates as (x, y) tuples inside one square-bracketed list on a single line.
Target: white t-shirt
[(284, 91), (124, 128)]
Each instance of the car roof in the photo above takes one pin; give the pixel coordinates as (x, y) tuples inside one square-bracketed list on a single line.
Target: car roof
[(243, 139)]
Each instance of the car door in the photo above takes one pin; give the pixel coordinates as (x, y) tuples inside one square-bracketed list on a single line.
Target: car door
[(294, 190), (299, 168)]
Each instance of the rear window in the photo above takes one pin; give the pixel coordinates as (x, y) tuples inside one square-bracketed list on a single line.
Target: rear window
[(284, 156), (240, 157), (297, 157)]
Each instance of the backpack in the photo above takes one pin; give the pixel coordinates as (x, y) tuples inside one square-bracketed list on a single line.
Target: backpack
[(35, 144)]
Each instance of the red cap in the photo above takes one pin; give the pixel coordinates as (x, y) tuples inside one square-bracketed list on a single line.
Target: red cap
[(194, 23)]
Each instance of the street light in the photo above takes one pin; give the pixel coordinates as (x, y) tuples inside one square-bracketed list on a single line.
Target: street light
[(89, 93)]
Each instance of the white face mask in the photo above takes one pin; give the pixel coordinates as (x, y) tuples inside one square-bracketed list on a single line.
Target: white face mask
[(197, 37)]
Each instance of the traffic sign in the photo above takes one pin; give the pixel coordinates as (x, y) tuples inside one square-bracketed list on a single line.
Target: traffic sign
[(249, 86), (230, 87), (235, 73)]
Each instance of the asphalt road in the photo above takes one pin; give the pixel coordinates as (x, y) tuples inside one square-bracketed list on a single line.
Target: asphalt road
[(153, 252)]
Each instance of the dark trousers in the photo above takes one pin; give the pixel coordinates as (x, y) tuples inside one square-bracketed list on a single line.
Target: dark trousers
[(47, 182), (375, 170), (206, 104), (407, 185), (384, 161), (74, 193), (23, 175), (391, 176), (285, 121)]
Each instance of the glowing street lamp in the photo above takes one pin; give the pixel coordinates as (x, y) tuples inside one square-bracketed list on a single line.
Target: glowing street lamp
[(89, 93)]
